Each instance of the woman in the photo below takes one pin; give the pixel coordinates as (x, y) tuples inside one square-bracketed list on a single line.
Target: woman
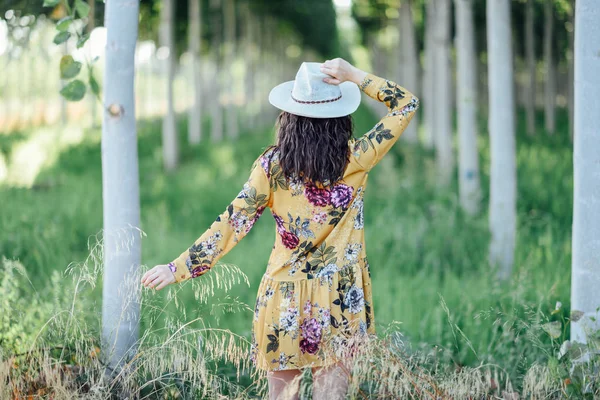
[(314, 301)]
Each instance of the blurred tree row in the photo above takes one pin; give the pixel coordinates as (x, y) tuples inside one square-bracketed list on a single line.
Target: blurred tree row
[(313, 20), (476, 56)]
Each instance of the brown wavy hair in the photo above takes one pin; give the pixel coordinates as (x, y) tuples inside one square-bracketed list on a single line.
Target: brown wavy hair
[(313, 149)]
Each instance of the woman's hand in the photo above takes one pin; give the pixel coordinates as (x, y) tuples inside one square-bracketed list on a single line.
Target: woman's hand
[(159, 277), (341, 71)]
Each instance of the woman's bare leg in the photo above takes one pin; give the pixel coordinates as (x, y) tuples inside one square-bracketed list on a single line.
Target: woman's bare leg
[(284, 385), (331, 382)]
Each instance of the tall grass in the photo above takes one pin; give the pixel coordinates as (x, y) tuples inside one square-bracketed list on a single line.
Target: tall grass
[(434, 290)]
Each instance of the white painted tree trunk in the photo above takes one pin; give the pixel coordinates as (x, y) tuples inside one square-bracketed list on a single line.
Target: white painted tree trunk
[(585, 280), (409, 61), (531, 70), (231, 118), (428, 92), (169, 129), (550, 83), (442, 118), (468, 178), (571, 71), (120, 188), (503, 174), (216, 109), (195, 112)]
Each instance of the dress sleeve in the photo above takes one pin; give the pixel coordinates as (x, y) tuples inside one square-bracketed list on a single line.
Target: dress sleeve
[(369, 149), (228, 229)]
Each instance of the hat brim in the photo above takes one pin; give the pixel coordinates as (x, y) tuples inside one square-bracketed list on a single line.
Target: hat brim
[(281, 97)]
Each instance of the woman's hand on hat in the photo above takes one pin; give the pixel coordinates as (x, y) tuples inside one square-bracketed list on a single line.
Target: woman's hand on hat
[(340, 71)]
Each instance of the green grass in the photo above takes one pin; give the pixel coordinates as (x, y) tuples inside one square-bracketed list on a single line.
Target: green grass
[(428, 259)]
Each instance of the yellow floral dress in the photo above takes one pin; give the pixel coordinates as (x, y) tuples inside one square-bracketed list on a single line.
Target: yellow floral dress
[(315, 297)]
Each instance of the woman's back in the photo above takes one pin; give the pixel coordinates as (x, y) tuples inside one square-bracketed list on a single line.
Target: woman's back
[(316, 292)]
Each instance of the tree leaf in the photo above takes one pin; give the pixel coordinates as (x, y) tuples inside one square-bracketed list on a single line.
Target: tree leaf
[(63, 24), (73, 91), (69, 68), (94, 86), (82, 8), (50, 3), (82, 39), (61, 37)]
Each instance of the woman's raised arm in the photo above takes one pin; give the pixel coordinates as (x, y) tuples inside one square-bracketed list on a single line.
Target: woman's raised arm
[(369, 149)]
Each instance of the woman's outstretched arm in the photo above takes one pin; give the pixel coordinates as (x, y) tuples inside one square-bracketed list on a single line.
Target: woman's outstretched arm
[(224, 233), (370, 148)]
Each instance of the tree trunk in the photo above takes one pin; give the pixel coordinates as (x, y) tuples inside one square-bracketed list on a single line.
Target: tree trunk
[(409, 61), (120, 188), (195, 112), (249, 55), (531, 70), (428, 92), (585, 280), (232, 112), (571, 72), (503, 177), (169, 130), (216, 117), (550, 84), (442, 86), (468, 178)]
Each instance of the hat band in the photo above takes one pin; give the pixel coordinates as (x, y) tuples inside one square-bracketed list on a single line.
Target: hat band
[(316, 101)]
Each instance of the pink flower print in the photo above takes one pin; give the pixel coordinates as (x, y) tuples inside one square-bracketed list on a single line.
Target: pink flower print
[(320, 218), (311, 335), (197, 271), (316, 196), (289, 240)]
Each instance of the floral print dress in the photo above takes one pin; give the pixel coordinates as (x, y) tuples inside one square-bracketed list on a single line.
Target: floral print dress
[(314, 302)]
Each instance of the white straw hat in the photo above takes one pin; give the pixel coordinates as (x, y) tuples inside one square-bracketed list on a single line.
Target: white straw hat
[(309, 96)]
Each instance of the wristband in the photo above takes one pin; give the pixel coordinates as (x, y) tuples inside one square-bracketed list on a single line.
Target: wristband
[(172, 267)]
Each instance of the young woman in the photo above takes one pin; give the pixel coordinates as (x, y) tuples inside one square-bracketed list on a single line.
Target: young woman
[(314, 303)]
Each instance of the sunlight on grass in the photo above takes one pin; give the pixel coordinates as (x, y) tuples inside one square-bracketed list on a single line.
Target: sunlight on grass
[(40, 150)]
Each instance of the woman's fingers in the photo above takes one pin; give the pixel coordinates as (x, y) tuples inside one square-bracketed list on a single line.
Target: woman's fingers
[(327, 70), (158, 277), (332, 81), (146, 275), (156, 281), (162, 284)]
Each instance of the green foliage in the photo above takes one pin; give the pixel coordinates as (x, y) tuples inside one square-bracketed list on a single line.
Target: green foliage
[(575, 365), (82, 8), (428, 259), (74, 90), (69, 68), (61, 37), (314, 20)]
